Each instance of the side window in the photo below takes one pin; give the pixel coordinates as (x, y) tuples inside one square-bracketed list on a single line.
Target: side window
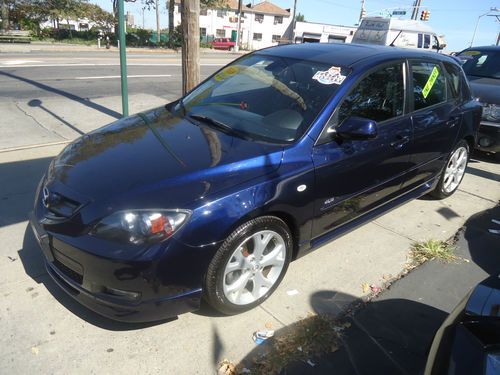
[(454, 80), (429, 84), (427, 41), (379, 96)]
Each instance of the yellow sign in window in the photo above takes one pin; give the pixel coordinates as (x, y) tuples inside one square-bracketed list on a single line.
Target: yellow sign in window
[(430, 82)]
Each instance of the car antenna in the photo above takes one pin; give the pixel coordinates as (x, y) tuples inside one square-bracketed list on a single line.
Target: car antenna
[(397, 36)]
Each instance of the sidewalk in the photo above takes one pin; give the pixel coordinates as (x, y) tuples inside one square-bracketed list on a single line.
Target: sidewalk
[(66, 47), (392, 334)]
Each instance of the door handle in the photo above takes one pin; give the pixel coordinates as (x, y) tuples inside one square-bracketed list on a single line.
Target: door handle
[(452, 121), (400, 142)]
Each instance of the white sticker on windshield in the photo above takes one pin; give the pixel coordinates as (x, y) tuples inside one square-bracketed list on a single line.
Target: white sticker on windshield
[(330, 76)]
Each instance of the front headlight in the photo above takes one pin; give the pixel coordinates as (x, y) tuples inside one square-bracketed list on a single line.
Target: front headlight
[(140, 226), (491, 112)]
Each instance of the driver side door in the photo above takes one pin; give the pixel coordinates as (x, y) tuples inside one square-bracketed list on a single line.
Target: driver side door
[(355, 176)]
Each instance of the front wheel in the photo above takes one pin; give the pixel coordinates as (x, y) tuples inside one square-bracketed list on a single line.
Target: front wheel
[(454, 171), (249, 265)]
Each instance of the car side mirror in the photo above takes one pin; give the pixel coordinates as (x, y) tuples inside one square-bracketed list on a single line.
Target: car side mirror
[(356, 128)]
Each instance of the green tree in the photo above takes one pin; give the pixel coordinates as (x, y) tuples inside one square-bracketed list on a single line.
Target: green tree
[(300, 17)]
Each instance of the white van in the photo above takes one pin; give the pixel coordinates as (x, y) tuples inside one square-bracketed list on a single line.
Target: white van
[(397, 32)]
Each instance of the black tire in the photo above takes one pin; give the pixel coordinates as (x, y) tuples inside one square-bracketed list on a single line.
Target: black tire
[(440, 192), (213, 291)]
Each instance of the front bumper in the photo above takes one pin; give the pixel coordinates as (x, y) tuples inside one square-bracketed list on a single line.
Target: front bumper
[(488, 137), (138, 290)]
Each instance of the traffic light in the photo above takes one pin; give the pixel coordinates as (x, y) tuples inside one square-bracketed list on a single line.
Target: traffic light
[(424, 16)]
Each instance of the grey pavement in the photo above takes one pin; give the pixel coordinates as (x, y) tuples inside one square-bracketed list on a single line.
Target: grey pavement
[(392, 333), (43, 330)]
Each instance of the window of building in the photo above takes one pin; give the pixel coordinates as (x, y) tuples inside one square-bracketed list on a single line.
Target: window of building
[(378, 97), (276, 38), (221, 13), (429, 85), (203, 11), (278, 19), (220, 33), (336, 39), (203, 32), (257, 36), (259, 17)]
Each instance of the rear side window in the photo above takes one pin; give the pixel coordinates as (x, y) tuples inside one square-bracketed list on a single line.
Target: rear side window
[(379, 96), (429, 84), (453, 72)]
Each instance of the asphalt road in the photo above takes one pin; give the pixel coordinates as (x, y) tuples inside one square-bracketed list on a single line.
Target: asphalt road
[(93, 74), (57, 96)]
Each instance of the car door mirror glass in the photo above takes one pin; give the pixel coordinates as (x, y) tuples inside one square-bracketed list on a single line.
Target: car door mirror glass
[(356, 128)]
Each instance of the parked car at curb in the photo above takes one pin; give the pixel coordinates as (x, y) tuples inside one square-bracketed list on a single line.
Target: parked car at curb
[(468, 341), (482, 67), (223, 43), (279, 152)]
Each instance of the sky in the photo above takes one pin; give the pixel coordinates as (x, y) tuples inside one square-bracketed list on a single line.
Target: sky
[(455, 19)]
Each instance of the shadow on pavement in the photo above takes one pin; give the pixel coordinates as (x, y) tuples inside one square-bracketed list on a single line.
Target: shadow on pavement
[(66, 94), (385, 337), (37, 103), (17, 190), (483, 245)]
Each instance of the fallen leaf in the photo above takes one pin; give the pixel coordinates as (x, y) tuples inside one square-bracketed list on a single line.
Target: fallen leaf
[(269, 325), (35, 350), (226, 368), (366, 287)]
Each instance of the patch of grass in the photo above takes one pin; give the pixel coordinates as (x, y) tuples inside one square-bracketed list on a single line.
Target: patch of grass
[(312, 336), (431, 249)]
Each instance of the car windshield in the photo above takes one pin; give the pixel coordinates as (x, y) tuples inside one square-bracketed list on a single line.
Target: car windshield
[(481, 63), (265, 98)]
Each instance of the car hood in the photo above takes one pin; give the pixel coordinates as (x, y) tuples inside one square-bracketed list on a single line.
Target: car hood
[(486, 89), (155, 159)]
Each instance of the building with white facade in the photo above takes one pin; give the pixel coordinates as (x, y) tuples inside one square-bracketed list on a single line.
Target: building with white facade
[(262, 25), (312, 32)]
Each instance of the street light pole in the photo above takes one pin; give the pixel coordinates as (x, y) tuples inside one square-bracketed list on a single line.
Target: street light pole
[(495, 9), (123, 58)]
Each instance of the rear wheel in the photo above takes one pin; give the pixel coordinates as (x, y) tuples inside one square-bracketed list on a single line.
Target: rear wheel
[(249, 265), (454, 171)]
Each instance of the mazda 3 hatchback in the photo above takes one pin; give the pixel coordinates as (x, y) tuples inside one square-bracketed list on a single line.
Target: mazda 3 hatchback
[(211, 196)]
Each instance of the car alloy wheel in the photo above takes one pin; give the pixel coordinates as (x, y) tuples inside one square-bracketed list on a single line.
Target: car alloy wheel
[(254, 267), (455, 169), (249, 265)]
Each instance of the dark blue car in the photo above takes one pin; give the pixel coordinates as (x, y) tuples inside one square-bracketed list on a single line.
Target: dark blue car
[(277, 153)]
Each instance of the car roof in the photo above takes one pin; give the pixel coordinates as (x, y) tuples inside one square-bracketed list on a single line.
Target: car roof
[(348, 54), (482, 48)]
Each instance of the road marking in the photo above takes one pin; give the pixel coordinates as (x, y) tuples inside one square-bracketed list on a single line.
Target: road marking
[(103, 64), (20, 62), (131, 76)]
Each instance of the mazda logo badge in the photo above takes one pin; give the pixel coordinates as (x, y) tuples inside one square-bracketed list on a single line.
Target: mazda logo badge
[(45, 197)]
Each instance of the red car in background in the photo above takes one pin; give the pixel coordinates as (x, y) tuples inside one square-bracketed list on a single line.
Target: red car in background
[(223, 43)]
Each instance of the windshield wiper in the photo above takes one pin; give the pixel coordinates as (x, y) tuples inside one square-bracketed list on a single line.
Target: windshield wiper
[(211, 121)]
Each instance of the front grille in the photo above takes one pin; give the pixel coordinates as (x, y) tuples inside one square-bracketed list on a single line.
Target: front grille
[(73, 275)]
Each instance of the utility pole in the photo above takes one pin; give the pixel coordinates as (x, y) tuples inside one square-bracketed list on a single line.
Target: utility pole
[(123, 58), (190, 44), (416, 6), (237, 46), (294, 21), (362, 13), (158, 29), (143, 18)]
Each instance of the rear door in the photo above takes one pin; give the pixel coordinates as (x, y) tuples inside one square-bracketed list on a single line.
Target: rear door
[(355, 176), (436, 120)]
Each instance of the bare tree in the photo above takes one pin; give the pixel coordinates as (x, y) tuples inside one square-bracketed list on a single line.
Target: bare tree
[(190, 44)]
